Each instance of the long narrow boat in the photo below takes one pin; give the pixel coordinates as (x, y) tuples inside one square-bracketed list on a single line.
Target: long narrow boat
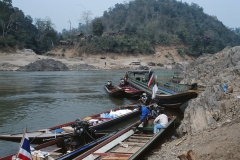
[(168, 95), (130, 143), (129, 90), (98, 121), (115, 91), (61, 149)]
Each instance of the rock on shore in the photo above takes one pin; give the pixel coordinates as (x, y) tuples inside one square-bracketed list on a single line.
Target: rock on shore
[(213, 106), (45, 65)]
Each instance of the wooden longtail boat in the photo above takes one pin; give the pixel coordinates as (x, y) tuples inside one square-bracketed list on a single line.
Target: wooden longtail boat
[(130, 91), (129, 143), (97, 123), (57, 149), (167, 95), (113, 90)]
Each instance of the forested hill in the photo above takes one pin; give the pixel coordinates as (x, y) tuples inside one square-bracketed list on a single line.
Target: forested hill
[(137, 26), (18, 30), (165, 22)]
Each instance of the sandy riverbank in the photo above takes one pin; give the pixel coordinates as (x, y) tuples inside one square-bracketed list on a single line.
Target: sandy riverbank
[(166, 56)]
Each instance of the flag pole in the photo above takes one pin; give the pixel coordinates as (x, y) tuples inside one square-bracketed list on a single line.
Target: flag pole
[(21, 141)]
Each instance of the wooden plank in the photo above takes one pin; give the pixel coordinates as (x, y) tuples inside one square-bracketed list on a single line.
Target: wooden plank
[(114, 158), (133, 144), (131, 149), (135, 149), (110, 144), (121, 150), (138, 137), (144, 135), (137, 140), (111, 154)]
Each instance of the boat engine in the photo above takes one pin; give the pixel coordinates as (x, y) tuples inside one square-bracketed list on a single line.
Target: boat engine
[(80, 127), (155, 109), (82, 134), (145, 99), (109, 83), (122, 82)]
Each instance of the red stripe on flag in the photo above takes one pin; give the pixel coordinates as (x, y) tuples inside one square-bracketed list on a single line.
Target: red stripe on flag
[(23, 157), (150, 81)]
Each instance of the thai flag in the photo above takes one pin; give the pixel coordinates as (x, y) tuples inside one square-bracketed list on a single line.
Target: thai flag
[(24, 152), (151, 79)]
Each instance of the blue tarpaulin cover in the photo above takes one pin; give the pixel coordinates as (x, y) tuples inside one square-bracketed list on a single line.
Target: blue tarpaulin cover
[(57, 130)]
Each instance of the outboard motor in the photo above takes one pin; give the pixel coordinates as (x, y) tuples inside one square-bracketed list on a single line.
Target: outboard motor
[(122, 82), (109, 83), (155, 110), (80, 127), (144, 98), (81, 134)]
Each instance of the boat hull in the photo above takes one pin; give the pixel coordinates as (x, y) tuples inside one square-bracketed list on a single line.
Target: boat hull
[(131, 91), (170, 100), (36, 137), (62, 155), (44, 135), (114, 91), (114, 146)]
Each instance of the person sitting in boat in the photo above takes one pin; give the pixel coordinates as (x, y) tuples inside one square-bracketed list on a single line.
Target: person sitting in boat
[(126, 76), (161, 121), (145, 113)]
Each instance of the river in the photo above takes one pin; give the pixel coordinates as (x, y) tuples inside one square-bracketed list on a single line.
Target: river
[(38, 100)]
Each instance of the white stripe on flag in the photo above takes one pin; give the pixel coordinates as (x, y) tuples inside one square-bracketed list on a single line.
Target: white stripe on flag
[(25, 153), (150, 81), (154, 90)]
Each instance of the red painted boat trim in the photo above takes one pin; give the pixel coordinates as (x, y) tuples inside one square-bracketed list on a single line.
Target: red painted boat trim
[(111, 154)]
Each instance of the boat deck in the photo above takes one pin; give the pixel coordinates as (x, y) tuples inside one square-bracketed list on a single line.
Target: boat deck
[(129, 143), (125, 149), (129, 146)]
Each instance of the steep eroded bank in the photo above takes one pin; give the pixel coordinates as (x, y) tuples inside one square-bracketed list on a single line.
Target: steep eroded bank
[(211, 124)]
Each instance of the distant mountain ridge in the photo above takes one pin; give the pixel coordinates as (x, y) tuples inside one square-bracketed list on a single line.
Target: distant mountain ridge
[(146, 24)]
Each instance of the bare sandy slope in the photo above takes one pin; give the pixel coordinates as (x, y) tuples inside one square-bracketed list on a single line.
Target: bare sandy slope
[(221, 143), (163, 55)]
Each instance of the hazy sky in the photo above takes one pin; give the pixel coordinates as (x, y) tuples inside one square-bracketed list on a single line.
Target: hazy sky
[(63, 11)]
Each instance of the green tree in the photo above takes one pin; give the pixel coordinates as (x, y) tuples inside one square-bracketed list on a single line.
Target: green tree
[(237, 31), (97, 27), (47, 36), (5, 16)]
